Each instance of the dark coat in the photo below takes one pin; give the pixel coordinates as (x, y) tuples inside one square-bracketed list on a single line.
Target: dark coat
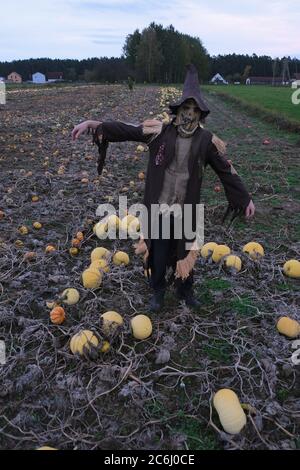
[(162, 151)]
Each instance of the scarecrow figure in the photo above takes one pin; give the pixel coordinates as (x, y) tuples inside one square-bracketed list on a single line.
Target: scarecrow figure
[(178, 154)]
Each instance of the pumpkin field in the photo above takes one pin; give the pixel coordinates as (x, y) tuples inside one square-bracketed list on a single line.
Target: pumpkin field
[(75, 379)]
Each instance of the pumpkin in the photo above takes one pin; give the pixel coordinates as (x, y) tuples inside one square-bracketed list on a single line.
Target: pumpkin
[(75, 242), (105, 347), (141, 176), (130, 223), (50, 249), (84, 342), (70, 296), (99, 253), (141, 327), (292, 269), (79, 236), (100, 230), (46, 448), (207, 249), (110, 321), (231, 414), (35, 199), (91, 278), (254, 250), (113, 222), (37, 225), (120, 258), (19, 243), (233, 262), (23, 230), (140, 148), (57, 315), (2, 215), (131, 184), (288, 327), (100, 264), (30, 256), (73, 251), (85, 180), (219, 252)]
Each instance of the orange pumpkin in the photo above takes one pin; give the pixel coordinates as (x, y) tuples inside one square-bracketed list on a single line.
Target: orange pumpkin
[(79, 236), (76, 242), (57, 315), (50, 249), (30, 256)]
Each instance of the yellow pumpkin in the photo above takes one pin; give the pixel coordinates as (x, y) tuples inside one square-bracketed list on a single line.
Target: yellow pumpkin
[(207, 249), (110, 321), (220, 251), (83, 342), (99, 253), (231, 414), (141, 327), (91, 278), (23, 230), (288, 327), (35, 198), (70, 296), (100, 264), (121, 258), (37, 225), (19, 243), (292, 269), (254, 250), (233, 262), (73, 251)]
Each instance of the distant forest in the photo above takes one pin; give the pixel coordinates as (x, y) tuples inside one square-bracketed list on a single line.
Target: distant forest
[(154, 55)]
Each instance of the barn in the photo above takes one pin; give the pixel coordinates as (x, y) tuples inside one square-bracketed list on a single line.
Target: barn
[(55, 76), (38, 77)]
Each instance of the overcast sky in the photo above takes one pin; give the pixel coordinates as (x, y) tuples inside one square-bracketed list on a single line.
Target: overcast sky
[(95, 28)]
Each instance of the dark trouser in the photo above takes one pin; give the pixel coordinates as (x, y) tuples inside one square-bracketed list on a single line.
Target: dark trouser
[(161, 253)]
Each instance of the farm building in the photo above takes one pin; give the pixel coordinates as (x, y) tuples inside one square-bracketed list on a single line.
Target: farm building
[(265, 80), (54, 76), (14, 77), (218, 79), (38, 77)]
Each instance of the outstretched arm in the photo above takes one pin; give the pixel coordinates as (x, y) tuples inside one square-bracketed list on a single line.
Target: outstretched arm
[(235, 190), (115, 131)]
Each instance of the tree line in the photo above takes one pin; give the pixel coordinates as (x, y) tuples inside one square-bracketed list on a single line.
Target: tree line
[(156, 54)]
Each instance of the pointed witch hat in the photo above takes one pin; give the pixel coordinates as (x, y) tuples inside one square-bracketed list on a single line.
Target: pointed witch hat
[(191, 89)]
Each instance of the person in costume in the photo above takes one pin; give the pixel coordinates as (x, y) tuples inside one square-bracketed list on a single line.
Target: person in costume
[(178, 154)]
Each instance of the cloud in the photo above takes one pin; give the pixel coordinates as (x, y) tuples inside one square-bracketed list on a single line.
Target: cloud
[(94, 28)]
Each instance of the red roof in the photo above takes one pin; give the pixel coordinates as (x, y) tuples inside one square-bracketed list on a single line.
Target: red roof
[(55, 75)]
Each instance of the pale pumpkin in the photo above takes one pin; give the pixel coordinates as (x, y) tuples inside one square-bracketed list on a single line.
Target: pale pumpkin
[(99, 253), (254, 250), (231, 414), (141, 327), (110, 321), (288, 327), (220, 251), (121, 258), (70, 296), (91, 278), (83, 342), (207, 249), (100, 230), (113, 222), (292, 269), (46, 448)]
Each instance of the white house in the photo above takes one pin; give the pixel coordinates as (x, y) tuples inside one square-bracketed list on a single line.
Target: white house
[(38, 77), (218, 79)]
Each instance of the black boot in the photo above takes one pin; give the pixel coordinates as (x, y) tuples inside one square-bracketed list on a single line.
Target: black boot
[(188, 297), (157, 301)]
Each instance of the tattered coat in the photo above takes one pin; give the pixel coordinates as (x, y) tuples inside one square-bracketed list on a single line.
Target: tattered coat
[(206, 149)]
